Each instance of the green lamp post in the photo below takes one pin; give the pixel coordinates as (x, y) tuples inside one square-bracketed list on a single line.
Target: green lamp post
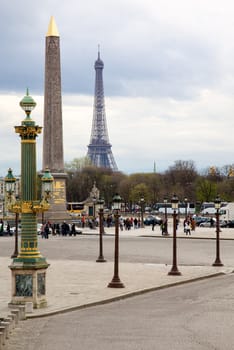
[(29, 267)]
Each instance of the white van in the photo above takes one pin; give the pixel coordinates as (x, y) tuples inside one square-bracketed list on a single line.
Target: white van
[(208, 211), (227, 212)]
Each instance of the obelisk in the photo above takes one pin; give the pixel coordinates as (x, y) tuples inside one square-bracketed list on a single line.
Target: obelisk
[(53, 125)]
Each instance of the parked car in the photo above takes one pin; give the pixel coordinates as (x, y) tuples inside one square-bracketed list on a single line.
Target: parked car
[(222, 223), (208, 223), (200, 219), (5, 231), (230, 223), (150, 219)]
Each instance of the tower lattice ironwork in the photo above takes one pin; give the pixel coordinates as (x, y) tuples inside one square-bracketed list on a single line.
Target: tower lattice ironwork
[(99, 149)]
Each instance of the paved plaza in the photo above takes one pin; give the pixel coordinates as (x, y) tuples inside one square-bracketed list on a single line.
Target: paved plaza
[(78, 284)]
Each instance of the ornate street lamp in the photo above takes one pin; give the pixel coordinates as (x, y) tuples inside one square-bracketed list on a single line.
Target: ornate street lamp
[(142, 202), (116, 283), (174, 270), (10, 181), (29, 267), (217, 204), (100, 205), (46, 184), (166, 224)]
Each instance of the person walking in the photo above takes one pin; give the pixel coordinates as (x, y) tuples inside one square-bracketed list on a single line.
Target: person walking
[(1, 226), (47, 230), (73, 229), (187, 228), (65, 228)]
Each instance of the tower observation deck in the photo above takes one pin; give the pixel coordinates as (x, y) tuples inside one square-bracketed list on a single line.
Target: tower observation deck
[(99, 149)]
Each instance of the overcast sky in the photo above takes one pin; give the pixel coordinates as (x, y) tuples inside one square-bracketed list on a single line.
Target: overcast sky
[(168, 78)]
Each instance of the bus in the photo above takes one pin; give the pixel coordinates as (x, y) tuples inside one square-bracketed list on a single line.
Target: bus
[(160, 207), (75, 208)]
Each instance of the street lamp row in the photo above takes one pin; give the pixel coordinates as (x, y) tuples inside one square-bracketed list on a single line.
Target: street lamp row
[(174, 202), (116, 282)]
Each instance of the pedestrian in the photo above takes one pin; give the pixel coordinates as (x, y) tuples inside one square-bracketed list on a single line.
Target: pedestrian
[(165, 227), (177, 224), (211, 222), (187, 228), (109, 221), (73, 229), (135, 221), (162, 227), (43, 230), (1, 226), (128, 224), (83, 221), (46, 230), (65, 228), (153, 224), (8, 228), (193, 224), (57, 229), (121, 223)]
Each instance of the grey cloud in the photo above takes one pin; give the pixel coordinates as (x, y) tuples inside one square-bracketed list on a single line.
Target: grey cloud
[(160, 63)]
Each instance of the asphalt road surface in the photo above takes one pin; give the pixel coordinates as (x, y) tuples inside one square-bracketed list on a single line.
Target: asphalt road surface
[(195, 316), (131, 249)]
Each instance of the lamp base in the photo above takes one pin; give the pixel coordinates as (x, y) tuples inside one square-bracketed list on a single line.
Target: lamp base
[(100, 259), (116, 283), (174, 272), (217, 263)]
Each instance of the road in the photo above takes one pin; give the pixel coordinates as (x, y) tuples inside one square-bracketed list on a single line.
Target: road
[(132, 249), (196, 316)]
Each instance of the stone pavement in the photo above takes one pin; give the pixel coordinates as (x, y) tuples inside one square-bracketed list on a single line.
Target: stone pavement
[(78, 284)]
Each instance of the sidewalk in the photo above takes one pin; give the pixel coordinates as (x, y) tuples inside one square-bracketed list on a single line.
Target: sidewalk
[(78, 284)]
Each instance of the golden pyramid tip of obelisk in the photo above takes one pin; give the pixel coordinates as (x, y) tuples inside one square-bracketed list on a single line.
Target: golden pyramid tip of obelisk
[(52, 29)]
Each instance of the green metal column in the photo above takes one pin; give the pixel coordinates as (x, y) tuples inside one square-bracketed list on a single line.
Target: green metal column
[(28, 131)]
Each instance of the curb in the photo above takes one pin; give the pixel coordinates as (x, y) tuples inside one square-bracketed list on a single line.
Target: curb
[(120, 297), (189, 237)]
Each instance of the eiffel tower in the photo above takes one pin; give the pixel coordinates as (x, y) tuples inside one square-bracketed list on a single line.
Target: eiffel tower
[(99, 149)]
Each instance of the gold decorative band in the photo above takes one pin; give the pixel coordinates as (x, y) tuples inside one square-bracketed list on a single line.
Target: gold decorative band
[(28, 141)]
